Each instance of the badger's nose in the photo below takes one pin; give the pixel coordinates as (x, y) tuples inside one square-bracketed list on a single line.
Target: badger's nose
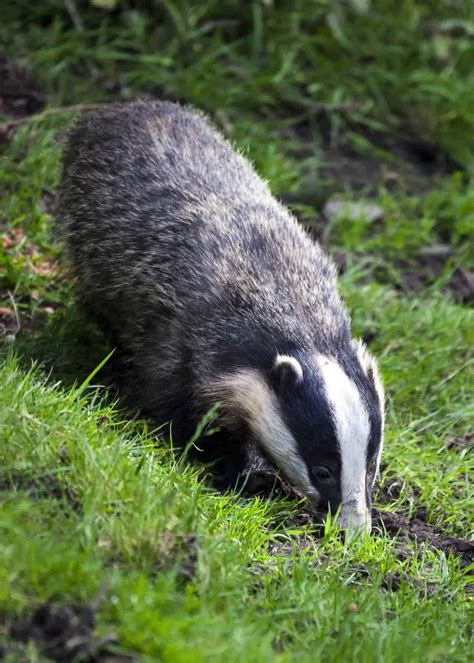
[(355, 518)]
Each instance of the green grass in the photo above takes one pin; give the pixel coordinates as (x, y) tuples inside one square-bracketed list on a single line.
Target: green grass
[(126, 513), (92, 502)]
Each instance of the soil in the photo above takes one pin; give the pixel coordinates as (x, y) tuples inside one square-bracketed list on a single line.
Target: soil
[(421, 272), (351, 171), (399, 526), (20, 94), (426, 269), (9, 323), (400, 160), (64, 633)]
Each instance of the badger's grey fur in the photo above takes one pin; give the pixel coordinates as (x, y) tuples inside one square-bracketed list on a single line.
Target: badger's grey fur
[(217, 295)]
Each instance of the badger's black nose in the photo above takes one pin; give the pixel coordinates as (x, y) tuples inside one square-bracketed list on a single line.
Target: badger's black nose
[(325, 506)]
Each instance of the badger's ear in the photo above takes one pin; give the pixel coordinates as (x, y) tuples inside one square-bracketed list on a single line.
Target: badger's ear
[(369, 364), (286, 370)]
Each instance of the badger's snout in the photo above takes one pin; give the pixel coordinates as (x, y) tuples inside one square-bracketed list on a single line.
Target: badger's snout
[(354, 517), (350, 516)]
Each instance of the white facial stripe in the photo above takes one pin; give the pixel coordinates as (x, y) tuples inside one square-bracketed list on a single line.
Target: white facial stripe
[(252, 397), (291, 362), (353, 430), (369, 364)]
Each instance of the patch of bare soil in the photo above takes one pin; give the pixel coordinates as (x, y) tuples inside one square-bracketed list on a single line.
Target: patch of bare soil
[(421, 272), (428, 268), (64, 633), (20, 94), (418, 529), (16, 321), (9, 321), (352, 171), (402, 160)]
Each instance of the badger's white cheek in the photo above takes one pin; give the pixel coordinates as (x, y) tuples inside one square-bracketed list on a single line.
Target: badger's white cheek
[(282, 449), (252, 397)]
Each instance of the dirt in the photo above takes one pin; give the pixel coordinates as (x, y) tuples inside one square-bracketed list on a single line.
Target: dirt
[(20, 94), (64, 633), (400, 161), (347, 170), (19, 321), (399, 526), (426, 269), (395, 524), (188, 565), (431, 264), (9, 321), (417, 528)]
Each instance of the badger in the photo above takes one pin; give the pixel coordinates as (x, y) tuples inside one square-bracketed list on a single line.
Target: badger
[(218, 296)]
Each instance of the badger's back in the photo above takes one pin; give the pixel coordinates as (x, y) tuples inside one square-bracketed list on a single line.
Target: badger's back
[(157, 210), (145, 188)]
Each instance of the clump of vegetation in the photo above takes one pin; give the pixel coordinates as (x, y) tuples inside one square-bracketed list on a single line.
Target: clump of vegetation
[(110, 543)]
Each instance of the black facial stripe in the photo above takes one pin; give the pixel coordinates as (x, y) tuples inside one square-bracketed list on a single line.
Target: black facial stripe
[(308, 415)]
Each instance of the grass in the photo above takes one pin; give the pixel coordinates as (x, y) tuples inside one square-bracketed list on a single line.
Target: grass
[(92, 503)]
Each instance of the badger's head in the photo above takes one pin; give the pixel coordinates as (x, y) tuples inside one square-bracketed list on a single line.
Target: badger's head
[(320, 420)]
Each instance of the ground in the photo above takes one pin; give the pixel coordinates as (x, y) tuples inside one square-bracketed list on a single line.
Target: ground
[(114, 549)]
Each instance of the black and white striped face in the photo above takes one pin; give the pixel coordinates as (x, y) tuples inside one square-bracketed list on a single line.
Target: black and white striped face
[(321, 422), (334, 410)]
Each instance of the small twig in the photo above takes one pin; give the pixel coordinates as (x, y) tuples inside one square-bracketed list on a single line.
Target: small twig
[(223, 23), (74, 15), (75, 108), (15, 310)]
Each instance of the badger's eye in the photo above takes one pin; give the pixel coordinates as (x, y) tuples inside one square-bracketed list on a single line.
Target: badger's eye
[(322, 474)]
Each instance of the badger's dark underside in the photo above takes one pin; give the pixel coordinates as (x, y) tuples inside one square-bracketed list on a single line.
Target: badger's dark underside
[(232, 458)]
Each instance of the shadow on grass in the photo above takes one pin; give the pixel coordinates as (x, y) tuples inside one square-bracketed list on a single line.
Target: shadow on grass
[(68, 346)]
